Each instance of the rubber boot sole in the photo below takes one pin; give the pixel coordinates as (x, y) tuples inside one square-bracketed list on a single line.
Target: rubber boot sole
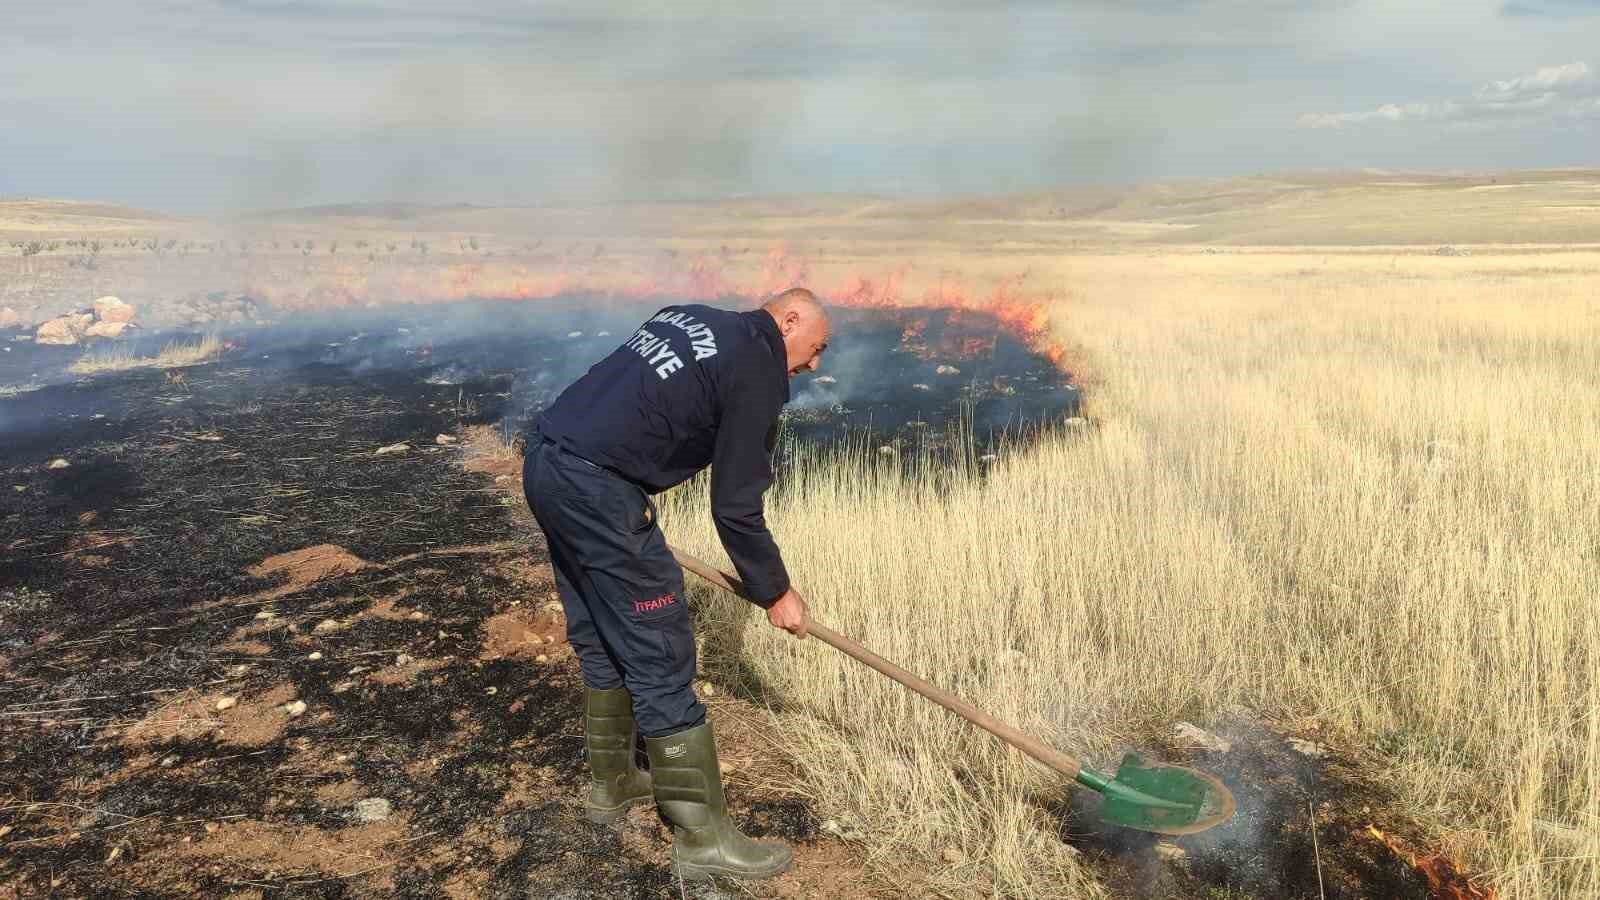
[(699, 872), (611, 815)]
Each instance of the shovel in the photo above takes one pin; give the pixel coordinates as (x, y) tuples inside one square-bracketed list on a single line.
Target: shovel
[(1144, 796)]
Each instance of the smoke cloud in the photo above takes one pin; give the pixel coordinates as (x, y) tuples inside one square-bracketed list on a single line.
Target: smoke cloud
[(222, 106)]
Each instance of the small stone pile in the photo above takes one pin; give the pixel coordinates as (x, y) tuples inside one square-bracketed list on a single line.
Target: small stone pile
[(108, 318)]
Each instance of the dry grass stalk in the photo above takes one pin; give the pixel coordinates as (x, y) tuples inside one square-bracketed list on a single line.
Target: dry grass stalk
[(177, 354), (1355, 491)]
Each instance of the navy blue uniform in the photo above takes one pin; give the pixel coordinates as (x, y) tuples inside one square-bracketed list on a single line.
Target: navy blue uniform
[(694, 386)]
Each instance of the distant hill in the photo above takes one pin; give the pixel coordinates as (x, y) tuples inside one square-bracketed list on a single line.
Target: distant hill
[(1358, 208)]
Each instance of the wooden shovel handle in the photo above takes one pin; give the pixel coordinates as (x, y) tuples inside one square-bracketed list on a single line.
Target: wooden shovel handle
[(1050, 756)]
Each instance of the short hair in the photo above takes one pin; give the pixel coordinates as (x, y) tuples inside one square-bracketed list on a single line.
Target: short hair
[(792, 298)]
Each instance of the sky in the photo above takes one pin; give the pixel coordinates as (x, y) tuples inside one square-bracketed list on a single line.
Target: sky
[(225, 106)]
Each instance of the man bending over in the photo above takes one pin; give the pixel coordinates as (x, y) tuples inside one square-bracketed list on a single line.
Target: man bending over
[(694, 386)]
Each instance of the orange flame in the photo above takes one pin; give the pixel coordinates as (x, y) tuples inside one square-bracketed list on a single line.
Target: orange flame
[(700, 278), (1445, 880)]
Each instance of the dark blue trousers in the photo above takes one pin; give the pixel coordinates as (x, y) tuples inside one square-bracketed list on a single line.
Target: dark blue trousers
[(622, 591)]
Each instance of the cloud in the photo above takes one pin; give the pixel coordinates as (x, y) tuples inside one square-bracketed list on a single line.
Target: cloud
[(1550, 8), (1553, 92)]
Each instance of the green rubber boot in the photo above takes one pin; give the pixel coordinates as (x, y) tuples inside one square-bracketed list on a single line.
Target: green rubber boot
[(608, 736), (688, 788)]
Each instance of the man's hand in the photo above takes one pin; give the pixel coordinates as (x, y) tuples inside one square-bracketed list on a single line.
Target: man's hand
[(789, 613)]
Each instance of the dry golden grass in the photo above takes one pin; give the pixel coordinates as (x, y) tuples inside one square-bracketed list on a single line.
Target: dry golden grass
[(1352, 491), (177, 354)]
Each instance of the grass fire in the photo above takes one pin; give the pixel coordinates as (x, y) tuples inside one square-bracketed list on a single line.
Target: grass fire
[(583, 452)]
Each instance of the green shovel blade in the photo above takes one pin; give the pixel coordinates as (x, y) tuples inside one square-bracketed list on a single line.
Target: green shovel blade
[(1160, 798)]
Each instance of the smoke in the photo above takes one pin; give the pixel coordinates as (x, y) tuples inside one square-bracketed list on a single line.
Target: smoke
[(244, 104)]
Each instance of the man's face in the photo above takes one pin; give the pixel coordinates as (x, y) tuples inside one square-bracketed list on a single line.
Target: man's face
[(805, 337)]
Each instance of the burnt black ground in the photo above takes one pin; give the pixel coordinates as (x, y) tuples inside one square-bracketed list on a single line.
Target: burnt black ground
[(178, 518)]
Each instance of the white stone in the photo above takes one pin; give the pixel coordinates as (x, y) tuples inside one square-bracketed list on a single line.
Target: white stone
[(947, 370), (59, 463), (444, 439), (327, 625), (1308, 748), (921, 387), (227, 703), (1170, 852), (402, 659), (295, 709), (372, 809), (392, 448), (315, 655), (1190, 735)]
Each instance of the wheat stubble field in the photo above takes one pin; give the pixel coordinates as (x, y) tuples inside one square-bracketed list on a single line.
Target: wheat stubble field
[(1353, 495)]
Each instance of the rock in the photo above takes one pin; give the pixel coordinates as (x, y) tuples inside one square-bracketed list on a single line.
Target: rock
[(1169, 851), (921, 387), (295, 709), (170, 760), (58, 463), (392, 448), (402, 660), (238, 671), (327, 625), (552, 606), (707, 689), (1307, 748), (826, 379), (947, 370), (106, 329), (343, 686), (541, 658), (1191, 735), (315, 655), (844, 828), (444, 439), (227, 703), (418, 615), (264, 615), (112, 309), (64, 330), (372, 809), (9, 318)]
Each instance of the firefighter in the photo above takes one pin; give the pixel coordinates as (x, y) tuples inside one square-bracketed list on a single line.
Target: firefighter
[(693, 386)]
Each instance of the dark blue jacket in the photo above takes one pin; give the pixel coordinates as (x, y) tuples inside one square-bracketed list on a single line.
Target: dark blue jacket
[(694, 386)]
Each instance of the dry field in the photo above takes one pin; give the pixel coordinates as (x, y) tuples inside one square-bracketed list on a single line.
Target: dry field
[(1338, 484), (1354, 495)]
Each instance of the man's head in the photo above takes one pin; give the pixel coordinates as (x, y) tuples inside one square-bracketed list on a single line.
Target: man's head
[(804, 325)]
